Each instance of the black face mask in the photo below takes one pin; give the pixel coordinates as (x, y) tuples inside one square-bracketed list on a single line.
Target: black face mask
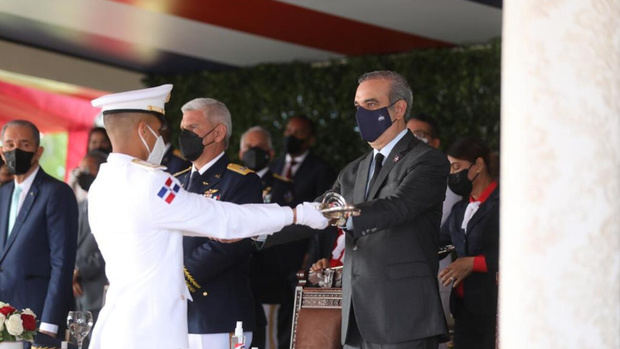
[(255, 158), (293, 145), (103, 150), (191, 144), (18, 161), (459, 183), (85, 180)]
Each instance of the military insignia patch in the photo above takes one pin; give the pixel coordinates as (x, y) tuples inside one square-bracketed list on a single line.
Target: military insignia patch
[(168, 191), (211, 194)]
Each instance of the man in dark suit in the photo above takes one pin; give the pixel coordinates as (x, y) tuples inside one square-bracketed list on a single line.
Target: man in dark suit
[(38, 229), (295, 177), (390, 292), (216, 273)]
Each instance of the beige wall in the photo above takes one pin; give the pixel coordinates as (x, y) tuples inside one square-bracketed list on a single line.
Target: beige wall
[(560, 205), (27, 60)]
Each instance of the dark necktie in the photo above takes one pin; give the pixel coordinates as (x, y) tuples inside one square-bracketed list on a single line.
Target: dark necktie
[(194, 181), (375, 173), (289, 173)]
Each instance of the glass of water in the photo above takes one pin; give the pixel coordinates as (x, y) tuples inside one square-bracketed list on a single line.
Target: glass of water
[(79, 323)]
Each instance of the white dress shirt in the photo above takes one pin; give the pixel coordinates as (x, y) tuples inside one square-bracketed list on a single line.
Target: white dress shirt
[(298, 160)]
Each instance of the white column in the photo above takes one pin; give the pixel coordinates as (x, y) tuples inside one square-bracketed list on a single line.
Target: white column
[(560, 181)]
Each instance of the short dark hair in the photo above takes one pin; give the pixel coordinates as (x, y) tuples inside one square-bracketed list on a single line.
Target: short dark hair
[(399, 87), (307, 120), (24, 123), (430, 121), (469, 149), (98, 129)]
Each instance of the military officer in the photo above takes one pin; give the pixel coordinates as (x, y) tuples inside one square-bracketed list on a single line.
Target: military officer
[(217, 274), (139, 214)]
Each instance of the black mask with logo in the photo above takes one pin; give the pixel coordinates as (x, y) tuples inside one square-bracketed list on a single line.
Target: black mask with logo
[(255, 158), (85, 179), (293, 145), (18, 161)]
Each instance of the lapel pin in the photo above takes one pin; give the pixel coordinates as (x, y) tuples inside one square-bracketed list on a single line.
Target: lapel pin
[(396, 158)]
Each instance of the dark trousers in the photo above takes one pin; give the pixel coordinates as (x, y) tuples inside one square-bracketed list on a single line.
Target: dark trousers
[(356, 341), (473, 331)]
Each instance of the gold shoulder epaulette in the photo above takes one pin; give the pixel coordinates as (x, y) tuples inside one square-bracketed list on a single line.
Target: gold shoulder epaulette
[(282, 178), (178, 154), (182, 172), (239, 169), (148, 164)]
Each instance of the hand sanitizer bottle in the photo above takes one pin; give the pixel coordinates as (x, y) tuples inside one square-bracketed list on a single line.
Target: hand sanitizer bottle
[(238, 340)]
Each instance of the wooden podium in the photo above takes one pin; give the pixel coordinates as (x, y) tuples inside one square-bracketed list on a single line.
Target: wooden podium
[(317, 317)]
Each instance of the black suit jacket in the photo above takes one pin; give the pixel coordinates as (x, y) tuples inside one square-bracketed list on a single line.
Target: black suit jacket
[(218, 273), (37, 261), (390, 267), (275, 266), (482, 238)]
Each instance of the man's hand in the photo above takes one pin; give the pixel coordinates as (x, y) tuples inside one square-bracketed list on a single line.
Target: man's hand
[(320, 265), (308, 213), (457, 271), (77, 288)]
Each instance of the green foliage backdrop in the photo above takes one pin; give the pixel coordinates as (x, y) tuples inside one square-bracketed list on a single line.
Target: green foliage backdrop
[(459, 87)]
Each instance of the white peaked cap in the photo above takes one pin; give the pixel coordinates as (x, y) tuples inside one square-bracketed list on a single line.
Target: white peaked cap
[(148, 99)]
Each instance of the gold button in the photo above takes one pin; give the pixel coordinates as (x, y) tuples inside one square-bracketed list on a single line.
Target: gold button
[(205, 293)]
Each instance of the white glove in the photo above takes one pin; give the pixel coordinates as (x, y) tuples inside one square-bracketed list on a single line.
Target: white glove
[(308, 214)]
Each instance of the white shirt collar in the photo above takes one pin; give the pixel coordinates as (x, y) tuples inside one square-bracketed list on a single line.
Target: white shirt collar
[(298, 159), (387, 149), (204, 168), (262, 172), (119, 157), (27, 183)]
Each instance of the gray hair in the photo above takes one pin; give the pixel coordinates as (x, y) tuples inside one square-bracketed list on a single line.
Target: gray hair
[(214, 110), (256, 129), (24, 123), (399, 88)]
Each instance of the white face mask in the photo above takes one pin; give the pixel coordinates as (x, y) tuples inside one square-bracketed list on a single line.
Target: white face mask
[(159, 148)]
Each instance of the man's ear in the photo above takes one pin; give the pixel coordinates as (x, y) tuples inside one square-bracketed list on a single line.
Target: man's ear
[(399, 108), (38, 153), (272, 154), (220, 132)]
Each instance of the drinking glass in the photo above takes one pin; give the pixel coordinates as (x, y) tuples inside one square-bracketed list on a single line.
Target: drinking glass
[(79, 323)]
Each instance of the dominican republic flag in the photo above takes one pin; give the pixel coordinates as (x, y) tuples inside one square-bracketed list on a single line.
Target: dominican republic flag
[(168, 190)]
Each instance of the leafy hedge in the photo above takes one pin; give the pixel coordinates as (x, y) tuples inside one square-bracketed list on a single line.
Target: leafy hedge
[(460, 87)]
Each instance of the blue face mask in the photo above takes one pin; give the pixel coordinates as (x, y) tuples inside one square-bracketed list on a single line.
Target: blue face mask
[(372, 123)]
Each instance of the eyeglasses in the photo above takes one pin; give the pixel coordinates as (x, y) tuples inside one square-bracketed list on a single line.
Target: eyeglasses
[(422, 134)]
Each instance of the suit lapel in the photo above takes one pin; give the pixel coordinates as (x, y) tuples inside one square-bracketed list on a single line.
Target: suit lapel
[(23, 212), (5, 203), (361, 179), (481, 213), (398, 152)]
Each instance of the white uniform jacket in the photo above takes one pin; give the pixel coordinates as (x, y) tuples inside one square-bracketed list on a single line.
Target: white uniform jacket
[(138, 214)]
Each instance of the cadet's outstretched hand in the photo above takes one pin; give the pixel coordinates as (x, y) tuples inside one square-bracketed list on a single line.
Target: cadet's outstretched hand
[(308, 214)]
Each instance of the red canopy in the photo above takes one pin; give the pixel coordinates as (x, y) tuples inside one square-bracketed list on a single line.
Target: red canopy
[(51, 112)]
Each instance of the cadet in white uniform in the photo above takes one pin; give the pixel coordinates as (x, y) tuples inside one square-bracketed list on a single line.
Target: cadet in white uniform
[(138, 214)]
